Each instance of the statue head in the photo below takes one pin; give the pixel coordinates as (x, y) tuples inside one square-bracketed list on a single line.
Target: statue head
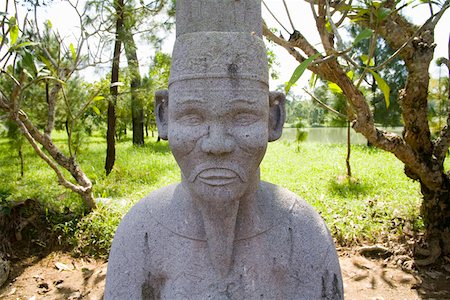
[(218, 113)]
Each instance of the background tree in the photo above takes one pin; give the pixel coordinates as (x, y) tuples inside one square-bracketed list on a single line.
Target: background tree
[(38, 69), (394, 74), (114, 88), (422, 156), (129, 17)]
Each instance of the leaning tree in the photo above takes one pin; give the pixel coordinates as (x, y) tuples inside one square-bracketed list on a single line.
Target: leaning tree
[(422, 155), (34, 56)]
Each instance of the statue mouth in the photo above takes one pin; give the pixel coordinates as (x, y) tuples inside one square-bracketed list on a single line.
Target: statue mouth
[(217, 176)]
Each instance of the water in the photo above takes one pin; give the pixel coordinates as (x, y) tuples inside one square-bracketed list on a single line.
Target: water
[(332, 135)]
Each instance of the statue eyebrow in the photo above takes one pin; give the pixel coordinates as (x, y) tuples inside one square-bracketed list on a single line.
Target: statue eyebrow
[(190, 100), (243, 100)]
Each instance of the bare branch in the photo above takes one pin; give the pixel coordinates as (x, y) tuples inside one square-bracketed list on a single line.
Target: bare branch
[(327, 107), (37, 149), (325, 36), (298, 40), (427, 23), (289, 15), (4, 102), (271, 13), (340, 43), (282, 42)]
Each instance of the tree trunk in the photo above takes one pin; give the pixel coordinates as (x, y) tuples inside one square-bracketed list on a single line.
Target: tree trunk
[(423, 157), (349, 149), (436, 207), (137, 105), (114, 90)]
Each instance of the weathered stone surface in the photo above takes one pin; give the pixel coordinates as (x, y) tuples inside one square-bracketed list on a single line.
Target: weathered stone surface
[(4, 270), (204, 55), (219, 15), (221, 233)]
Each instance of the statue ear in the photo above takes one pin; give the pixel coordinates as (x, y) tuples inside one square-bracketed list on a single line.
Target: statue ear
[(277, 115), (161, 112)]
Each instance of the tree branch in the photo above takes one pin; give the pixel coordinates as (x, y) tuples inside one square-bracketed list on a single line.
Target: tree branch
[(327, 107)]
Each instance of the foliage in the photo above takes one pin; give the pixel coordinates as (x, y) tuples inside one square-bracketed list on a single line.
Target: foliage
[(394, 75), (422, 155), (356, 212), (300, 133), (437, 104), (299, 108), (38, 85)]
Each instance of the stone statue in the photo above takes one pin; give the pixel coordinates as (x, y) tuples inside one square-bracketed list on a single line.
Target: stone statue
[(221, 233)]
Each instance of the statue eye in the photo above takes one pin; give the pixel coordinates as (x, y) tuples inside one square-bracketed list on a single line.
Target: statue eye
[(245, 119), (191, 119)]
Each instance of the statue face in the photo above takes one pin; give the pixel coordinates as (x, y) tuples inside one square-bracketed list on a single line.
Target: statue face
[(218, 133)]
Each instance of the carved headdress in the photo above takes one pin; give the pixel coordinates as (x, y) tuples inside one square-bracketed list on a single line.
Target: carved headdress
[(219, 39)]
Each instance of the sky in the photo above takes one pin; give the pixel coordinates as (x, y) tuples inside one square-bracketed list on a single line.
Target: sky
[(63, 19)]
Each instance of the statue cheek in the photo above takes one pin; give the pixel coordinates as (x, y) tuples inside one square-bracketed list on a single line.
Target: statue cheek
[(252, 139), (183, 139)]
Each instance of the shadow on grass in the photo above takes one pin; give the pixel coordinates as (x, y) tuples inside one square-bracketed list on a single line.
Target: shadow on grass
[(348, 187)]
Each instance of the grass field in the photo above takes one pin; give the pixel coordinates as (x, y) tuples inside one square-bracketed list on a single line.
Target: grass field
[(373, 206)]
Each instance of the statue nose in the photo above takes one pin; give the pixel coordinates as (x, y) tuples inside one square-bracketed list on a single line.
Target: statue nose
[(217, 141)]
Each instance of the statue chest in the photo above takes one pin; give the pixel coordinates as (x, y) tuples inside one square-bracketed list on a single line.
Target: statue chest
[(263, 267)]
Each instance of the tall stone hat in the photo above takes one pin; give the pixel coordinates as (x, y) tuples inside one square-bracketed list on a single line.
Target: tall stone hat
[(219, 39)]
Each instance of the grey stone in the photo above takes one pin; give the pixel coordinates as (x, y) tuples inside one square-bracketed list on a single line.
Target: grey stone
[(219, 15), (5, 268), (221, 233)]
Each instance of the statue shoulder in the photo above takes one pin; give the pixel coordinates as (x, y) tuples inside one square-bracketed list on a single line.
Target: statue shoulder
[(140, 219), (150, 205), (290, 203), (295, 213), (133, 248), (307, 238)]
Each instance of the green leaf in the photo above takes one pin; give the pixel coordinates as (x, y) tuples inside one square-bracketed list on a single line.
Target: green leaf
[(365, 34), (43, 72), (334, 88), (328, 27), (376, 4), (299, 71), (49, 24), (13, 30), (313, 80), (96, 110), (28, 73), (24, 44), (74, 53), (383, 86), (365, 60), (350, 74), (47, 63), (98, 98), (28, 63), (382, 13)]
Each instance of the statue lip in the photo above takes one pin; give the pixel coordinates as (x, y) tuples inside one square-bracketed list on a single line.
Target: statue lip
[(217, 176), (217, 173)]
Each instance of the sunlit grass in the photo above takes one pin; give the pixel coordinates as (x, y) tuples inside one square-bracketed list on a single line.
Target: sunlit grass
[(358, 210)]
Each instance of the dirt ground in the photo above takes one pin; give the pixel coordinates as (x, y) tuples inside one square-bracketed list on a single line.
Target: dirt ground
[(59, 276)]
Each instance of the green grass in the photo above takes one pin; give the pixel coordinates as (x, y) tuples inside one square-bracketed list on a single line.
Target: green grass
[(359, 210), (362, 209)]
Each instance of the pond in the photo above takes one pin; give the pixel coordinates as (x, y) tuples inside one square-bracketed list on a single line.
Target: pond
[(332, 135)]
